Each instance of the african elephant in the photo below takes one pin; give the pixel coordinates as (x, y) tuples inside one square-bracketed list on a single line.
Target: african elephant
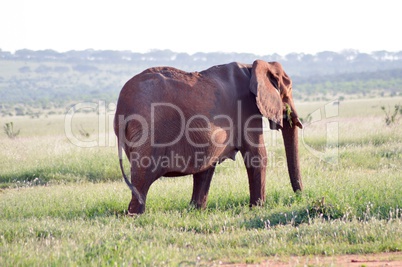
[(173, 123)]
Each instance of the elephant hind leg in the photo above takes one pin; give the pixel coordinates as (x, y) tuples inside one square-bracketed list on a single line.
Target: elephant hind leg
[(135, 207), (201, 185), (142, 179)]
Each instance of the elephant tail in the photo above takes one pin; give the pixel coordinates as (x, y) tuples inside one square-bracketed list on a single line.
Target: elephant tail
[(130, 185)]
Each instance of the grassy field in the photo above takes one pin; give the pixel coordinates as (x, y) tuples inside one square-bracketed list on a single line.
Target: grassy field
[(61, 204)]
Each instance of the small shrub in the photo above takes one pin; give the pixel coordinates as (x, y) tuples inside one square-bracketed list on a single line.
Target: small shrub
[(391, 118), (84, 132), (307, 119), (9, 130), (326, 210)]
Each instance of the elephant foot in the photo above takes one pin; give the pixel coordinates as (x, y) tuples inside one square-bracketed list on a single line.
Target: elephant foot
[(129, 214), (259, 203), (135, 208), (199, 204)]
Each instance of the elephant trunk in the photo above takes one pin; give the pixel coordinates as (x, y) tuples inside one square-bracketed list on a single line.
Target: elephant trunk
[(290, 138)]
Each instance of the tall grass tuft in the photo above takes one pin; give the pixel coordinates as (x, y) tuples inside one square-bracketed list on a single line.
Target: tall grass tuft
[(9, 130)]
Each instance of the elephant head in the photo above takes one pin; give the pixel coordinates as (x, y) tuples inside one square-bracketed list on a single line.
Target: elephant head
[(273, 90)]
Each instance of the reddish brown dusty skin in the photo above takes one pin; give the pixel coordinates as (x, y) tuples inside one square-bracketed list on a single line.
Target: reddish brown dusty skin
[(291, 141), (166, 113)]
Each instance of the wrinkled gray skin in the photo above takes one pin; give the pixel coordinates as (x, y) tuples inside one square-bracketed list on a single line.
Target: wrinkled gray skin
[(193, 121)]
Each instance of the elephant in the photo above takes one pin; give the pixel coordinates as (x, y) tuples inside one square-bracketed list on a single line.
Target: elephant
[(174, 123)]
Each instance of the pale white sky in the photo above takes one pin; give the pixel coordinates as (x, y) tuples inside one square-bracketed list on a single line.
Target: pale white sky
[(259, 27)]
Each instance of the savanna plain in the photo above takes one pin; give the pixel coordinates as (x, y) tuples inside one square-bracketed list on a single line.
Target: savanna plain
[(64, 205)]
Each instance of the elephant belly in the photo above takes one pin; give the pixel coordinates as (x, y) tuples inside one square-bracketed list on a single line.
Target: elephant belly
[(180, 164), (198, 151)]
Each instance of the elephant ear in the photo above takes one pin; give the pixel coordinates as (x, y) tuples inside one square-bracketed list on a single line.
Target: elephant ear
[(264, 76)]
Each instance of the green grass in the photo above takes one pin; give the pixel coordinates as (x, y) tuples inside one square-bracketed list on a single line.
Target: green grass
[(84, 225), (64, 205)]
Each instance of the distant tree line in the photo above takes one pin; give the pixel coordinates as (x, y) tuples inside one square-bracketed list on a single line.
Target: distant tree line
[(322, 63), (47, 79)]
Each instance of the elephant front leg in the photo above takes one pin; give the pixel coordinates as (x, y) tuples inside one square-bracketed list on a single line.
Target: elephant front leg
[(201, 185), (256, 170)]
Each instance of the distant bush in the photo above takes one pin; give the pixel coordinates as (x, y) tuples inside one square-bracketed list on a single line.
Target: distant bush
[(61, 69), (43, 69), (19, 111)]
